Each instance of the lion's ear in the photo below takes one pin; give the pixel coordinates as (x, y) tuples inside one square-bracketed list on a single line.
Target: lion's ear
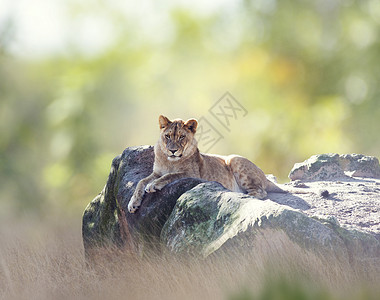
[(191, 125), (163, 121)]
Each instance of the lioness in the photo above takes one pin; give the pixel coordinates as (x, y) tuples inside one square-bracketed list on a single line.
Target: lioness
[(177, 156)]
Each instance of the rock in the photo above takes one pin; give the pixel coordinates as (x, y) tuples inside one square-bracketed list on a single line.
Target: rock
[(358, 165), (299, 184), (100, 224), (146, 224), (272, 178), (318, 167), (324, 193), (106, 220), (335, 166), (209, 218), (203, 218)]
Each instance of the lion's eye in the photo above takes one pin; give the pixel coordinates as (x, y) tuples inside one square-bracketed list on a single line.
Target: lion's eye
[(167, 136), (181, 137)]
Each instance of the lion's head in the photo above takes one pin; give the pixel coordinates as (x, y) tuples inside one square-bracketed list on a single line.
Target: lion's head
[(177, 137)]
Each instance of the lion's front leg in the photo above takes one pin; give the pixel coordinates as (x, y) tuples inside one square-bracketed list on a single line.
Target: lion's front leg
[(159, 183), (138, 195)]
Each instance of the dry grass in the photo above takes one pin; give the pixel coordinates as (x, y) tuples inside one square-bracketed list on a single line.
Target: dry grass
[(46, 261)]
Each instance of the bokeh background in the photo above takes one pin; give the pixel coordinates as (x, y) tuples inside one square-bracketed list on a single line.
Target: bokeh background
[(80, 80)]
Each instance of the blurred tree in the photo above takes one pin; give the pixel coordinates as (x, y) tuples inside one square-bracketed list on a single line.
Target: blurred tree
[(306, 71)]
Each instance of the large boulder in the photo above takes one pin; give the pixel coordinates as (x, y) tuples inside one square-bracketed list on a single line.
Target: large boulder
[(106, 220), (227, 221), (202, 218)]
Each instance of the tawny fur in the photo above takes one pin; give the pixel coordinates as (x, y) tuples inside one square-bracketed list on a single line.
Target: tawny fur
[(177, 156)]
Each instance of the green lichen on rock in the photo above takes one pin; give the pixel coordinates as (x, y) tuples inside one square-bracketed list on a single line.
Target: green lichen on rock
[(199, 215), (100, 224), (360, 165), (106, 220), (209, 218)]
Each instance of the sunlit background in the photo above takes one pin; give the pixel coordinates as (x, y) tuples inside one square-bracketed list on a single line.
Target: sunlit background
[(80, 80)]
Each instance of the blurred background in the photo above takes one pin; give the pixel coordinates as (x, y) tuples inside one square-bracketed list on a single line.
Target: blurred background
[(80, 80)]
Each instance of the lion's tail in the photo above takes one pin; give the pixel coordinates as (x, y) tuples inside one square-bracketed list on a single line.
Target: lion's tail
[(273, 188)]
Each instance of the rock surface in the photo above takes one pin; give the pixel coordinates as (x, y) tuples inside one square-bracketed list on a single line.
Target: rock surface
[(339, 214), (334, 166), (106, 219), (203, 227), (354, 203)]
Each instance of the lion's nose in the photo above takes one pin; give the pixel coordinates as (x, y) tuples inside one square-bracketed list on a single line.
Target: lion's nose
[(173, 151)]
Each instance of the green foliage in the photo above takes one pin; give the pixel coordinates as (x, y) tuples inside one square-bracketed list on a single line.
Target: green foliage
[(283, 289), (306, 71), (298, 289)]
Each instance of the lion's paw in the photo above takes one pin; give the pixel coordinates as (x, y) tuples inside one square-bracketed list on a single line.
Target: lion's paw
[(133, 205), (151, 187)]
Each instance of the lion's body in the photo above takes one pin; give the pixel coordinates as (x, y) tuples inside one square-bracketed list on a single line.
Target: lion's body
[(205, 166), (177, 156)]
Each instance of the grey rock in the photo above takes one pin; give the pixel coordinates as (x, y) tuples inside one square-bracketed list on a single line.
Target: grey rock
[(203, 218), (299, 184), (271, 177), (106, 220), (334, 166), (324, 193), (209, 218), (100, 225), (358, 165), (318, 167)]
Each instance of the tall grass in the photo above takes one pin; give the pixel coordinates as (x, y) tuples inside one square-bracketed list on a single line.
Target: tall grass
[(46, 261)]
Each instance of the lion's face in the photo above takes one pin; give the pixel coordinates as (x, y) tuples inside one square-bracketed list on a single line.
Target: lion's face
[(177, 137)]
